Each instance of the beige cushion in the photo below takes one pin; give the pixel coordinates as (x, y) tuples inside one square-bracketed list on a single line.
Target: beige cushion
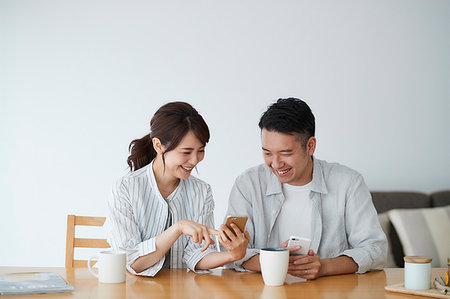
[(424, 232), (385, 223)]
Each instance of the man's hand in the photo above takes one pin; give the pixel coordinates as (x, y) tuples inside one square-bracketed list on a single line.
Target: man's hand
[(234, 241), (306, 266)]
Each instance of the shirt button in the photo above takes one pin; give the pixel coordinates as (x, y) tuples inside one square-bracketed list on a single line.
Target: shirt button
[(274, 211)]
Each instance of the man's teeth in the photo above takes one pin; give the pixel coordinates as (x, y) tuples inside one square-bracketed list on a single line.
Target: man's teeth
[(187, 168), (283, 171)]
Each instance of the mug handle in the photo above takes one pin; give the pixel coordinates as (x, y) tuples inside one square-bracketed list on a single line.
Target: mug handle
[(89, 265)]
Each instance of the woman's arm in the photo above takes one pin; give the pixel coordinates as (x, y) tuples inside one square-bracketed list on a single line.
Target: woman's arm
[(234, 241), (165, 240)]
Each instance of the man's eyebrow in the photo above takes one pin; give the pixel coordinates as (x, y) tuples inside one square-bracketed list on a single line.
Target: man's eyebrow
[(286, 151), (282, 151)]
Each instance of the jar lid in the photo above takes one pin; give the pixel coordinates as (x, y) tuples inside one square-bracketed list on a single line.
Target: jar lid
[(417, 259)]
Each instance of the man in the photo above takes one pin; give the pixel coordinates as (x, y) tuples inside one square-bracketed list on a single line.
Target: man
[(294, 193)]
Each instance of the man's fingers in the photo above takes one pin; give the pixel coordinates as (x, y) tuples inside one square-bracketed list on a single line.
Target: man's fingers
[(293, 258), (304, 259), (294, 248), (236, 229), (228, 232), (284, 244)]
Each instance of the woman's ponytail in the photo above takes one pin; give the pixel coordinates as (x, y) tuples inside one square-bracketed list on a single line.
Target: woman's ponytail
[(141, 153)]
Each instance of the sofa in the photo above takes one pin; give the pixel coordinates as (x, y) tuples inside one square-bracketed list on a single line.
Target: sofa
[(415, 223)]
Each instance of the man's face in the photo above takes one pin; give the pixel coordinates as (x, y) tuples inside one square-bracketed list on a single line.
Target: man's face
[(287, 158)]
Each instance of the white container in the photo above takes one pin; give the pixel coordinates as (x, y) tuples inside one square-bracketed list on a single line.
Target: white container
[(417, 272)]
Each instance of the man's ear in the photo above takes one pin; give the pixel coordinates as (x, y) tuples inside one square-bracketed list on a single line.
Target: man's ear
[(157, 145), (311, 146)]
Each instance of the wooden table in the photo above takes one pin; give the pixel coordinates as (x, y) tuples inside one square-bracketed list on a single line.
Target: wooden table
[(177, 283)]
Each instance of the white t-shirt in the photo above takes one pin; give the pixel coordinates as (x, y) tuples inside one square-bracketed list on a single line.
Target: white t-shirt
[(294, 218)]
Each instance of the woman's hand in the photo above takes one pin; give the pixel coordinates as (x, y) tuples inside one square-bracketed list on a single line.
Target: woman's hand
[(198, 232), (234, 241)]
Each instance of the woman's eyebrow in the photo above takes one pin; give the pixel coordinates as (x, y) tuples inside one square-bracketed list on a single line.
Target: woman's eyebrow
[(191, 149)]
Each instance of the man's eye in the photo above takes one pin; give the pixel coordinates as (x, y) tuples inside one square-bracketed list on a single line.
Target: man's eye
[(201, 151), (267, 154), (187, 153)]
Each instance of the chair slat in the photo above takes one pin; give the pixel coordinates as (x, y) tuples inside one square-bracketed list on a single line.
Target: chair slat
[(90, 243), (72, 242), (90, 221)]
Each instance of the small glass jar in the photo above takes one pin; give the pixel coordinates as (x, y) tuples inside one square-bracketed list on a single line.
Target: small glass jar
[(447, 278), (417, 272)]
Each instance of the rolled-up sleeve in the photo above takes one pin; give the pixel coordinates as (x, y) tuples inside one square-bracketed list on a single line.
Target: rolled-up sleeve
[(193, 251), (122, 230), (366, 239), (240, 204)]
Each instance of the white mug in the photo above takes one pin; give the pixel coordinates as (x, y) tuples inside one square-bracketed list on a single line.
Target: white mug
[(274, 264), (111, 266)]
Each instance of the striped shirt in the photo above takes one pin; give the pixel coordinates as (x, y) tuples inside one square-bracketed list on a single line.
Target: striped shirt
[(137, 213)]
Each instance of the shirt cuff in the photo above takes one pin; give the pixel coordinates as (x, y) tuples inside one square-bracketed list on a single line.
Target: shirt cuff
[(141, 249), (196, 256), (361, 258), (237, 265)]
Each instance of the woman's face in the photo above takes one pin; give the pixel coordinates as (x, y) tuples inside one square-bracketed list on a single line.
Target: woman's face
[(180, 161)]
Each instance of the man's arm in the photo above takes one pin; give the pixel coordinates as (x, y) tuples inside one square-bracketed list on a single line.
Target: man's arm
[(310, 266), (252, 264)]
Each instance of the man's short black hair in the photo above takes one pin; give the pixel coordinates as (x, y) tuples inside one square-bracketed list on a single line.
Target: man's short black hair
[(289, 116)]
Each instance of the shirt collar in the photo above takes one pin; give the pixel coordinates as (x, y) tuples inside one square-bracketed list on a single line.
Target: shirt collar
[(317, 184)]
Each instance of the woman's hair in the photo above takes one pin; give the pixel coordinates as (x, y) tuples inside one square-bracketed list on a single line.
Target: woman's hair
[(169, 124)]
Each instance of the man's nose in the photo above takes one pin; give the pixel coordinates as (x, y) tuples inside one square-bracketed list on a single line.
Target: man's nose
[(276, 162)]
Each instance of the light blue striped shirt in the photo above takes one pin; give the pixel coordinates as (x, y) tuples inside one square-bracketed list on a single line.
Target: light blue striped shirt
[(343, 220), (137, 213)]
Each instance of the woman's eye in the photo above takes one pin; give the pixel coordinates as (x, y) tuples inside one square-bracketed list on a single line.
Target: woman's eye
[(187, 153), (201, 151)]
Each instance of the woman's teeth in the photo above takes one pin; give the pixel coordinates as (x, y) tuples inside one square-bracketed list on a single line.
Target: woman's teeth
[(187, 168)]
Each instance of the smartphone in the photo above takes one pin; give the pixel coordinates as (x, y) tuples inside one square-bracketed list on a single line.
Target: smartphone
[(304, 242), (240, 221)]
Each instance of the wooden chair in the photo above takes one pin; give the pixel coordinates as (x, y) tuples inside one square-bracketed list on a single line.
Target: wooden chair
[(72, 242)]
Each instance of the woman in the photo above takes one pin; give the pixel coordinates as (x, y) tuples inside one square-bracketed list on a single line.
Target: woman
[(160, 214)]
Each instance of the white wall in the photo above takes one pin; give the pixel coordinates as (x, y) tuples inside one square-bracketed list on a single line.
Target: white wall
[(80, 79)]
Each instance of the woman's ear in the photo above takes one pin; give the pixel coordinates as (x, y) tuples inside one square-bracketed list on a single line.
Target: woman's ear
[(157, 145)]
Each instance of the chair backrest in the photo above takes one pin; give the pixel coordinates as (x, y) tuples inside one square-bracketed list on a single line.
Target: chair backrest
[(72, 242)]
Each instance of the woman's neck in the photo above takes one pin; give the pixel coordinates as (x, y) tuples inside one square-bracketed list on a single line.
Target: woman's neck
[(166, 182)]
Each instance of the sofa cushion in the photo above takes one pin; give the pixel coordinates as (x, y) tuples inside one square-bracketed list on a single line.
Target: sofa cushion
[(424, 232), (385, 201), (439, 199), (387, 226)]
